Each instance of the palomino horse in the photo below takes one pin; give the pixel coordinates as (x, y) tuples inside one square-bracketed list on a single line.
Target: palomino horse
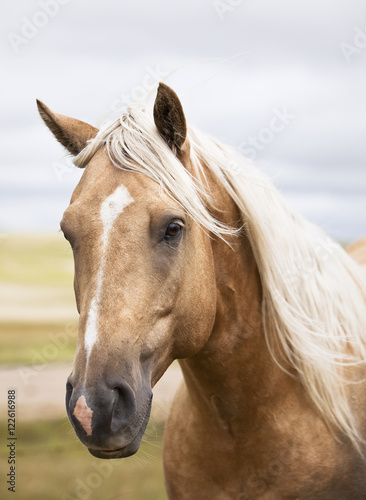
[(185, 250)]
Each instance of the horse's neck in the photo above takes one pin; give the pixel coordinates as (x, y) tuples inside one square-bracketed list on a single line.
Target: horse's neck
[(235, 370), (234, 373)]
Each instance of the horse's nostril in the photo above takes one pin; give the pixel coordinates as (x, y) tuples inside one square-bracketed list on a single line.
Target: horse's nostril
[(124, 406)]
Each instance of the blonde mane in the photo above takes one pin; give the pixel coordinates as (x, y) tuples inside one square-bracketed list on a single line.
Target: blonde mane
[(314, 313)]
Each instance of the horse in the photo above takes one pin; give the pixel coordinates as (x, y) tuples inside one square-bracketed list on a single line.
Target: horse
[(184, 249)]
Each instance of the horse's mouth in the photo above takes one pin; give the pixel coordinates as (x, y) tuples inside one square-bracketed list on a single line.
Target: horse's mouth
[(127, 451), (132, 447)]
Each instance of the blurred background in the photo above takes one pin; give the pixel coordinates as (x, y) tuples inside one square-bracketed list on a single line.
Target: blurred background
[(282, 81)]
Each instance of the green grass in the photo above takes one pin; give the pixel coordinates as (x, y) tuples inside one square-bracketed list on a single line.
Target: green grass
[(36, 260), (42, 266), (28, 343), (52, 464)]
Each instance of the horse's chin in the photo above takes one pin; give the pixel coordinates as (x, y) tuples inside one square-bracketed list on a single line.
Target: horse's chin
[(127, 451)]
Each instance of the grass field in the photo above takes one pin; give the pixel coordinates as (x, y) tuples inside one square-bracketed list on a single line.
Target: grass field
[(19, 342), (36, 274), (37, 260)]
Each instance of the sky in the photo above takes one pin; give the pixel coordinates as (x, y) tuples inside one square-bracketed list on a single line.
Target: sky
[(282, 81)]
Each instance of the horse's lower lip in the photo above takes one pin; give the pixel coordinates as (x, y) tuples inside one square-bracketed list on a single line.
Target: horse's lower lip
[(118, 453), (111, 452)]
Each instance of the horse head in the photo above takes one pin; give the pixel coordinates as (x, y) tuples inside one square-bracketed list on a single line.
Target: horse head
[(144, 280)]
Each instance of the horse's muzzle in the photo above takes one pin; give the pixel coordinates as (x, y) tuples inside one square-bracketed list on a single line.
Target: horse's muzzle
[(109, 418)]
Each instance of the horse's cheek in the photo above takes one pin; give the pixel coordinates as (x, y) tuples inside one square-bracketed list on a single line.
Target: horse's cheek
[(195, 320)]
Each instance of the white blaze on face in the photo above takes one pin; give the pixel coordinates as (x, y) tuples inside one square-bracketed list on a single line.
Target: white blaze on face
[(110, 209)]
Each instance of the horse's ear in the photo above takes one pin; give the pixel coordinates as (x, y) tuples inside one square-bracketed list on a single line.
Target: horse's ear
[(71, 133), (169, 118)]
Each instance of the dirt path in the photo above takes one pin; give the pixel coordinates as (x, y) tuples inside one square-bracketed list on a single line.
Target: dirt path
[(40, 391)]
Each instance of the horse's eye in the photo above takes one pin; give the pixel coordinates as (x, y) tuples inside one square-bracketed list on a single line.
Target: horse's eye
[(173, 230)]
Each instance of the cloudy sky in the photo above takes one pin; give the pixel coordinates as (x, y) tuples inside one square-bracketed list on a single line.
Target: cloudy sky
[(282, 80)]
